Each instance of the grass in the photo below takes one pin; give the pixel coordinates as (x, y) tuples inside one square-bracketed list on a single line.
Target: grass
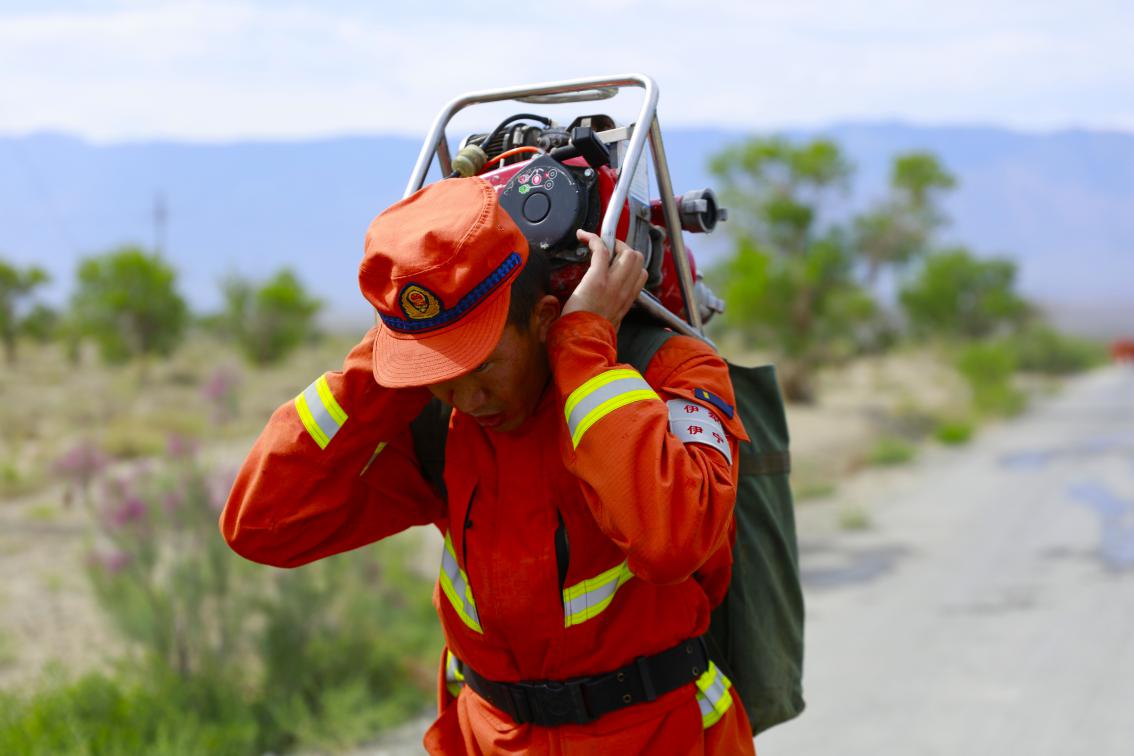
[(890, 451), (42, 513), (815, 489), (954, 432), (16, 479), (99, 715), (130, 417), (854, 518), (8, 654)]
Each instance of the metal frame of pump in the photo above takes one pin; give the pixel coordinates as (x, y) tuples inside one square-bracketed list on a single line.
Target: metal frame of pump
[(583, 90)]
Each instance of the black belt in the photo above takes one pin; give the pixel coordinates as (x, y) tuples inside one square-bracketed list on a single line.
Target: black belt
[(584, 699)]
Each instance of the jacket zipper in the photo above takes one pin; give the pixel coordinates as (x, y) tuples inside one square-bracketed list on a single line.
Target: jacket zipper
[(562, 553), (465, 534)]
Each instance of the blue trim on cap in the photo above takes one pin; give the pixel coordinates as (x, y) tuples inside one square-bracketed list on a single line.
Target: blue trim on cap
[(462, 308)]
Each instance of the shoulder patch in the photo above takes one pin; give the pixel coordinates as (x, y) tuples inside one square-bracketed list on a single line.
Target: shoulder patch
[(708, 396), (693, 424)]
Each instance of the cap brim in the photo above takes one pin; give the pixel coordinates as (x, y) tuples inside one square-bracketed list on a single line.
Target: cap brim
[(402, 360)]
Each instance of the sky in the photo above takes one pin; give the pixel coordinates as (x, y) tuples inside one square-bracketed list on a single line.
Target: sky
[(254, 69)]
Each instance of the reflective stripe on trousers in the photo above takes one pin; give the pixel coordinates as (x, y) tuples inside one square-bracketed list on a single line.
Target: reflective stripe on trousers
[(713, 696), (589, 598), (455, 585), (600, 396), (320, 414)]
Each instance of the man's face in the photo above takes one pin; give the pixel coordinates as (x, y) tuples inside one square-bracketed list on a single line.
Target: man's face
[(505, 389)]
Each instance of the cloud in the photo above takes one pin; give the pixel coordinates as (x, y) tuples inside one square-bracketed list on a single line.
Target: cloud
[(209, 70)]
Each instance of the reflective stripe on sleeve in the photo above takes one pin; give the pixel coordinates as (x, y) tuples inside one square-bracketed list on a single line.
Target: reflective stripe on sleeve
[(455, 585), (602, 395), (454, 674), (320, 414), (693, 423), (587, 599), (712, 695)]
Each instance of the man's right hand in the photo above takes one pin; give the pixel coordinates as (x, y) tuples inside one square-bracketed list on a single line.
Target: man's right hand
[(608, 289)]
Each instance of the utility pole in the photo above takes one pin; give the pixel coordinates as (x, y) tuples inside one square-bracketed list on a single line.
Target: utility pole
[(160, 216)]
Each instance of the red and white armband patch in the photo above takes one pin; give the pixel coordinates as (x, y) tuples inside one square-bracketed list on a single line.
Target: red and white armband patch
[(695, 423)]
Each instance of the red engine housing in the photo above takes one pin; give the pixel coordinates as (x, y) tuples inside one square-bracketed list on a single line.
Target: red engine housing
[(565, 277)]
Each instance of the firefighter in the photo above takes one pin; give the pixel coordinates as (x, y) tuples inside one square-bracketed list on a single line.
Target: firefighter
[(587, 508)]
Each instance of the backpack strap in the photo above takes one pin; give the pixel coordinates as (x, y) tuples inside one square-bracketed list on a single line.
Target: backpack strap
[(429, 430), (639, 341)]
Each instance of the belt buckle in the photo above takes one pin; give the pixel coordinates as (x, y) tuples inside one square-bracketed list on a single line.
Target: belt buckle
[(555, 703)]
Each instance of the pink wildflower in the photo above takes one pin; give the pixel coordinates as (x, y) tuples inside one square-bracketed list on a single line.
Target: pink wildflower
[(180, 447), (131, 510)]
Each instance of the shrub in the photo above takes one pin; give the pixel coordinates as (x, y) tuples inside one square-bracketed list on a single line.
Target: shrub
[(1042, 349), (988, 368), (954, 432), (892, 451), (270, 320), (256, 658), (16, 286), (127, 302), (959, 295)]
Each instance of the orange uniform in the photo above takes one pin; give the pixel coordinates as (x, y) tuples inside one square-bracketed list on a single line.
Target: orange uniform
[(635, 470)]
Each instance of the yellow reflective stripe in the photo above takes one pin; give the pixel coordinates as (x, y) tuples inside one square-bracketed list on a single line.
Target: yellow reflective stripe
[(586, 600), (713, 697), (606, 408), (329, 402), (320, 414), (455, 585), (309, 422), (602, 395), (598, 381), (377, 451)]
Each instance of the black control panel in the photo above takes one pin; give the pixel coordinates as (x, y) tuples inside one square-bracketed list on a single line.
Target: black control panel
[(547, 202)]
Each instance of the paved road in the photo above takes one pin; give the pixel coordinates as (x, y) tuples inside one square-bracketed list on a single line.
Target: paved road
[(990, 607)]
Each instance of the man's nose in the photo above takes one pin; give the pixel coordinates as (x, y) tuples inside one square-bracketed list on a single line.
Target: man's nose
[(468, 397)]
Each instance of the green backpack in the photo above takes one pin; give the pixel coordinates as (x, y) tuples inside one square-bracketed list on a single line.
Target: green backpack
[(756, 633)]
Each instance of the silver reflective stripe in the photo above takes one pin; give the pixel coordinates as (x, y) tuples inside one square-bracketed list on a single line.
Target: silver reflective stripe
[(455, 585), (692, 423), (713, 697), (319, 411), (601, 395), (586, 600), (320, 414)]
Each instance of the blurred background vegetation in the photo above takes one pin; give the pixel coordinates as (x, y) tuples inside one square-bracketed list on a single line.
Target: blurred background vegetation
[(125, 414)]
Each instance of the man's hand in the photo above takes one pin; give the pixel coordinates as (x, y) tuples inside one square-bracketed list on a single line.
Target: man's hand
[(608, 288)]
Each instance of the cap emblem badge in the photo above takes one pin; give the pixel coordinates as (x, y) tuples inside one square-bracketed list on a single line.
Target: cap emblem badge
[(418, 303)]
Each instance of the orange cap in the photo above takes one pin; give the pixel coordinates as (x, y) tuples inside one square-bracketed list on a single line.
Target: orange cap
[(438, 267)]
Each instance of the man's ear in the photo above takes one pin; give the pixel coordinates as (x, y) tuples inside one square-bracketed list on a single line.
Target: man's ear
[(545, 312)]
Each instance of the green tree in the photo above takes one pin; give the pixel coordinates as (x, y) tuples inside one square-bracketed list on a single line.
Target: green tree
[(127, 301), (900, 228), (270, 320), (961, 296), (41, 324), (790, 283), (16, 287)]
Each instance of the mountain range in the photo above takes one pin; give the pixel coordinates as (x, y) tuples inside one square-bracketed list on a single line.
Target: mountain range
[(1061, 204)]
